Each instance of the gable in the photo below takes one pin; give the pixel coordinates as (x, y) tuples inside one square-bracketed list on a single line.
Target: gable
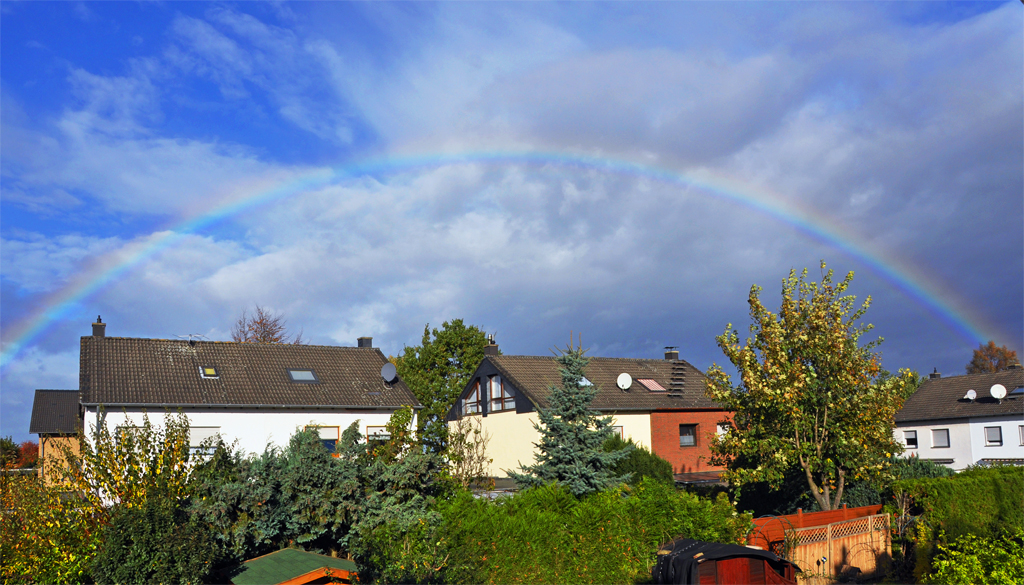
[(55, 412)]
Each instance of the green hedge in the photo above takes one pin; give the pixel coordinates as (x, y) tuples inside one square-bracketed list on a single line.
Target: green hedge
[(980, 501), (970, 560), (545, 535)]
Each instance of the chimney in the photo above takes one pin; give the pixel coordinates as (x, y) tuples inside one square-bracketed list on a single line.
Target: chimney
[(491, 348), (672, 352), (934, 375), (365, 342), (99, 328), (1013, 366)]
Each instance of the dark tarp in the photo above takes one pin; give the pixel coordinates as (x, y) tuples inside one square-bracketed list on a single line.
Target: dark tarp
[(676, 563)]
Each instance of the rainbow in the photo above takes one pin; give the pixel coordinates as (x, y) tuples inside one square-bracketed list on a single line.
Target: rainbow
[(939, 301)]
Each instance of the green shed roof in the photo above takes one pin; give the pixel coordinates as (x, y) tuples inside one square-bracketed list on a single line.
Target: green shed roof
[(286, 564)]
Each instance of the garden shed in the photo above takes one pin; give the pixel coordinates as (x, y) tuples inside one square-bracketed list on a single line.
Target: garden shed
[(688, 561)]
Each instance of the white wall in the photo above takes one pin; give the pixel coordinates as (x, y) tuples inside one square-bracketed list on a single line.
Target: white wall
[(254, 430), (966, 440), (636, 427), (1011, 447)]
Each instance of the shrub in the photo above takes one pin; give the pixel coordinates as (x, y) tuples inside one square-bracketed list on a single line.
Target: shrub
[(973, 560), (639, 463)]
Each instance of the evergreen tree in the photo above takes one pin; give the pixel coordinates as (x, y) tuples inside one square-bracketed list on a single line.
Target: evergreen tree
[(572, 435)]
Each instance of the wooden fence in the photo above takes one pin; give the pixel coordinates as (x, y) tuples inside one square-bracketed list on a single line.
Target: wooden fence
[(822, 543)]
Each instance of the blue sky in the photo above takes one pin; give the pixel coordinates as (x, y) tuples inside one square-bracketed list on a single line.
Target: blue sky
[(894, 128)]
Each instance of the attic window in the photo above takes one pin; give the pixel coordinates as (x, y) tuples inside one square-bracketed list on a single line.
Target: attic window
[(651, 385), (1017, 391), (208, 372), (585, 382), (303, 376)]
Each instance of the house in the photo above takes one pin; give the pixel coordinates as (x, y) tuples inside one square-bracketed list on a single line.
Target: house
[(56, 418), (961, 420), (255, 394), (663, 407)]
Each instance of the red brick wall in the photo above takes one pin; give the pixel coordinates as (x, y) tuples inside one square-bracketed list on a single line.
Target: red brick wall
[(665, 438)]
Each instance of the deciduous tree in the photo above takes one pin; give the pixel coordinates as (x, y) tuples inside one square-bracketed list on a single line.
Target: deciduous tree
[(437, 371), (989, 358), (262, 326), (572, 435), (809, 395)]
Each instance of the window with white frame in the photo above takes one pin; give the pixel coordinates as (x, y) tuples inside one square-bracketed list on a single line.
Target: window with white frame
[(723, 429), (197, 435), (501, 397), (910, 439), (472, 403), (377, 434), (329, 435), (940, 438), (1020, 431), (993, 436)]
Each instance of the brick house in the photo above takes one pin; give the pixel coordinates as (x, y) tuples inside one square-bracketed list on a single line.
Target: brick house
[(663, 408), (255, 394)]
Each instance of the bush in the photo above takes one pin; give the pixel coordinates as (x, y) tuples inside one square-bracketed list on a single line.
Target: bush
[(546, 535), (639, 463), (156, 542), (972, 560)]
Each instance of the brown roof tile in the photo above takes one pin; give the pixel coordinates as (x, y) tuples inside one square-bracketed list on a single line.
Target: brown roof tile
[(535, 375), (55, 412), (119, 370), (943, 398)]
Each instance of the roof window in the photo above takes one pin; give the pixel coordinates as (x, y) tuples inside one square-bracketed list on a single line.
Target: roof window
[(1017, 391), (651, 384), (303, 376), (585, 382), (209, 372)]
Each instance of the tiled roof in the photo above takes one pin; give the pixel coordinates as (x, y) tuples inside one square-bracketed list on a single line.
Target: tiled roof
[(55, 412), (943, 398), (122, 371), (684, 384)]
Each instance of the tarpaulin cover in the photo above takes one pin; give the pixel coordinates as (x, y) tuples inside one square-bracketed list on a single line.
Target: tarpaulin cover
[(677, 563)]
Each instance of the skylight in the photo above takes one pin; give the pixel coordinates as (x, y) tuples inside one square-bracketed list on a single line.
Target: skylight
[(1017, 391), (303, 376), (209, 372), (585, 382), (651, 385)]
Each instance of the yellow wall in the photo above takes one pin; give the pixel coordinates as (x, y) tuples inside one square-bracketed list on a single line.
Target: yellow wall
[(51, 456), (512, 437)]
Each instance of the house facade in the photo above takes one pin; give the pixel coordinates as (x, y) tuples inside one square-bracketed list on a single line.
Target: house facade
[(56, 418), (663, 408), (957, 422), (255, 394)]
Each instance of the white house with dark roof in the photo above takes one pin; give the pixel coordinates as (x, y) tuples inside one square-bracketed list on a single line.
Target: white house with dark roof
[(255, 394), (957, 422)]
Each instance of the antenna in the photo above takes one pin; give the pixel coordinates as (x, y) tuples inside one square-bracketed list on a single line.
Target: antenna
[(192, 337), (971, 395), (624, 381), (997, 391), (388, 372)]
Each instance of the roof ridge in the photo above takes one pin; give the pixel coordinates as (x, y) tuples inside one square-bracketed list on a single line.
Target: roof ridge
[(218, 341)]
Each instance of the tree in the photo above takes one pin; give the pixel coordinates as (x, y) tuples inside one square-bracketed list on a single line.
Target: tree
[(572, 435), (989, 358), (467, 451), (809, 394), (437, 371), (262, 326), (638, 463)]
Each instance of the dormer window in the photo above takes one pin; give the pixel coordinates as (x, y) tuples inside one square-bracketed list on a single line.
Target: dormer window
[(303, 376), (209, 372)]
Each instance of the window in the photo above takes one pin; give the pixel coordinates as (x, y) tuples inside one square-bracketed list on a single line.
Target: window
[(723, 429), (940, 438), (687, 435), (910, 439), (472, 404), (328, 436), (993, 436), (196, 435), (501, 398), (1020, 430), (651, 385), (377, 434), (585, 382), (303, 376), (617, 431), (209, 372)]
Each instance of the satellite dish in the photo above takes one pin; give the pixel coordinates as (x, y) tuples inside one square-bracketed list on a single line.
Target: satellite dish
[(998, 391), (624, 381), (971, 395), (388, 372)]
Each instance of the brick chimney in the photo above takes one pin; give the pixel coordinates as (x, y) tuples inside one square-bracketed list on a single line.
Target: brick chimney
[(364, 342), (99, 328), (934, 375), (672, 353), (491, 348)]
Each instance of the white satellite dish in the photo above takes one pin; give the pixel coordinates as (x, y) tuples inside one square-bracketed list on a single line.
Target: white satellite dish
[(388, 372), (971, 395), (624, 381), (997, 391)]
